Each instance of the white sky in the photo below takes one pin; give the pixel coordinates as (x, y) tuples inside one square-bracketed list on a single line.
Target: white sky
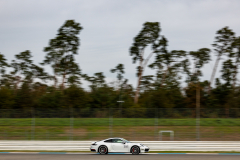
[(110, 26)]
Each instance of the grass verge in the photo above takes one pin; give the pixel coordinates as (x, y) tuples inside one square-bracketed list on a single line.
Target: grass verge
[(118, 122)]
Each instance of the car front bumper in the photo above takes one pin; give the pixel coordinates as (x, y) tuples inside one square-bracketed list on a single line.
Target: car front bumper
[(144, 149), (93, 148)]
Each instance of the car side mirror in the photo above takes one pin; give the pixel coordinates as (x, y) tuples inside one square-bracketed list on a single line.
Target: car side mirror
[(123, 142)]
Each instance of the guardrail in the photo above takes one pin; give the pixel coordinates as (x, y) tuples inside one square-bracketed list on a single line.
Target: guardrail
[(154, 145)]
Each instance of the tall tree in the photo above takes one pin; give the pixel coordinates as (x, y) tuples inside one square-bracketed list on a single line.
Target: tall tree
[(228, 72), (146, 82), (69, 70), (61, 51), (200, 57), (25, 70), (194, 90), (98, 80), (147, 36), (3, 65), (236, 54), (167, 62), (119, 69), (222, 45)]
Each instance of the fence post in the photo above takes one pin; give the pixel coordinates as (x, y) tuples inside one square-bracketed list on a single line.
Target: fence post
[(33, 125), (71, 124), (110, 123), (198, 112), (135, 122), (156, 122)]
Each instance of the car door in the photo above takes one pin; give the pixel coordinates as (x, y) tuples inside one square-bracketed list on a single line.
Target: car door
[(118, 146)]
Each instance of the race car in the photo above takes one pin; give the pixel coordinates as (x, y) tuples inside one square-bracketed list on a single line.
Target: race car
[(118, 145)]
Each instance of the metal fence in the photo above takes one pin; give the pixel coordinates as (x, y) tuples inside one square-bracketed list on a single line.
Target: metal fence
[(131, 123)]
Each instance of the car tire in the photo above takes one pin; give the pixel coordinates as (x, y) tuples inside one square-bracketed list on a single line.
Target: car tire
[(135, 150), (103, 150)]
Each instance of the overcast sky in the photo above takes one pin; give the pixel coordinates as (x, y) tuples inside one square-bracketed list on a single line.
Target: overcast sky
[(110, 26)]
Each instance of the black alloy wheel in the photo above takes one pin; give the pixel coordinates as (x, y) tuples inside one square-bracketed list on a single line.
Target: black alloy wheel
[(135, 150), (103, 150)]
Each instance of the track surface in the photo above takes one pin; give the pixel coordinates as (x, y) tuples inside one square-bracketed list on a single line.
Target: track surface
[(115, 157)]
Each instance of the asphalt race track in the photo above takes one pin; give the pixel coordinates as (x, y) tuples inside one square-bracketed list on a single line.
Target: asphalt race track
[(27, 156)]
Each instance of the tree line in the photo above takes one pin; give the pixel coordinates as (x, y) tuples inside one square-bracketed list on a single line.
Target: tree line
[(25, 84)]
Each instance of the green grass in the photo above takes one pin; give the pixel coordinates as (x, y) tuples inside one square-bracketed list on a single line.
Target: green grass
[(117, 122), (131, 128)]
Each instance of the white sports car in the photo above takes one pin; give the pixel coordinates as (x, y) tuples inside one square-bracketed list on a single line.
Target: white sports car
[(118, 145)]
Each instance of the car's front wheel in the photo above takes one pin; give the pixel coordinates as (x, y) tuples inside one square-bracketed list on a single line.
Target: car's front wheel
[(135, 150), (103, 150)]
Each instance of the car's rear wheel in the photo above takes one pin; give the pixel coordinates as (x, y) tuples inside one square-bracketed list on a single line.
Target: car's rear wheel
[(135, 150), (103, 150)]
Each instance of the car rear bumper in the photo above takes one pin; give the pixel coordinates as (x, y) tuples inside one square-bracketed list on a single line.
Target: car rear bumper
[(92, 150)]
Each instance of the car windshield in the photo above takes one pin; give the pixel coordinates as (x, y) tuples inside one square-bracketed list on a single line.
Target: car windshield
[(126, 141)]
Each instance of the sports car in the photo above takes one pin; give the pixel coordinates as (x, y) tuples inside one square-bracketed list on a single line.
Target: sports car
[(112, 145)]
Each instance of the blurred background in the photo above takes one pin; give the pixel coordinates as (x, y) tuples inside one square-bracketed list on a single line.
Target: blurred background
[(129, 79)]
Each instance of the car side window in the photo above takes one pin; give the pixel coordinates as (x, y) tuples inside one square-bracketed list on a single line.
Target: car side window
[(108, 141), (117, 141)]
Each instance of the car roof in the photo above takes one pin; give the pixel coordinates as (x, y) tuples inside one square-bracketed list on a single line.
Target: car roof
[(113, 138)]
